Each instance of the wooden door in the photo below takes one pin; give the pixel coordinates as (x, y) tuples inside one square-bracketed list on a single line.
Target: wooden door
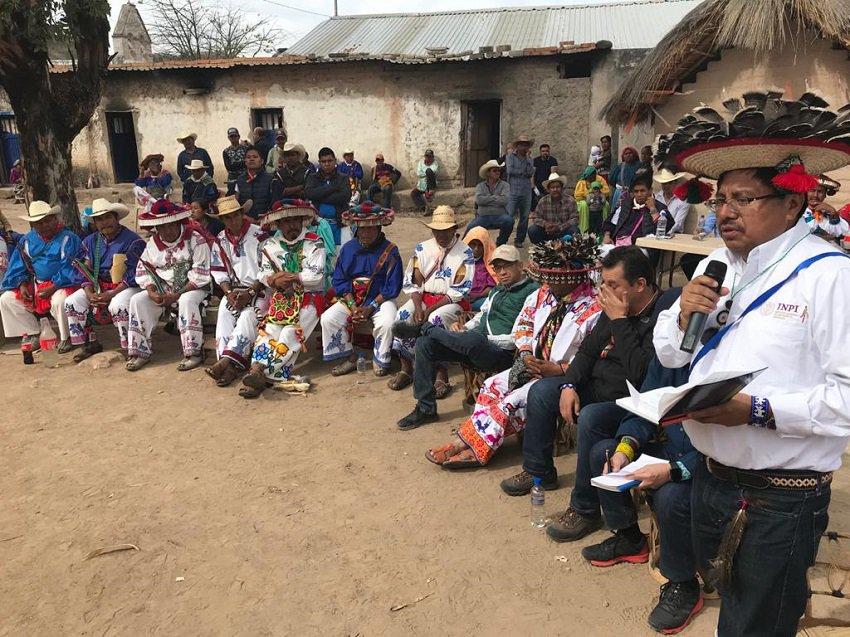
[(122, 144), (480, 136)]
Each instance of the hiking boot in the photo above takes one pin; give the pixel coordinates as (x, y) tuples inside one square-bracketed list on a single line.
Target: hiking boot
[(572, 525), (416, 418), (521, 483), (616, 549), (677, 606)]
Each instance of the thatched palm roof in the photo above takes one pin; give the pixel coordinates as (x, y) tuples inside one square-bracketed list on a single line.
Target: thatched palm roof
[(757, 25)]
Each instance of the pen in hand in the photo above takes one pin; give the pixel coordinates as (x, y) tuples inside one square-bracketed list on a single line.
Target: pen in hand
[(607, 461)]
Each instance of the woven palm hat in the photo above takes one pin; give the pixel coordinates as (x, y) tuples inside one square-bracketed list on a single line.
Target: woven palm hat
[(101, 207), (186, 135), (289, 208), (195, 164), (163, 211), (485, 168), (564, 261), (554, 177), (157, 157), (368, 214), (38, 210), (799, 138), (665, 176), (229, 205), (298, 149), (443, 218)]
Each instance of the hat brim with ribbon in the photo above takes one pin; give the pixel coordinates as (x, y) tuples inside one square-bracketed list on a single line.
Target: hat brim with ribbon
[(162, 212), (101, 207), (289, 209), (367, 215), (559, 261), (798, 138), (38, 210)]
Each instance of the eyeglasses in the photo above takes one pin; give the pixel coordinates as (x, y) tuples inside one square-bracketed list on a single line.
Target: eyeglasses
[(737, 203)]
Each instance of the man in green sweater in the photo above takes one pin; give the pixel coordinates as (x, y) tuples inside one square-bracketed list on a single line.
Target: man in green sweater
[(484, 342)]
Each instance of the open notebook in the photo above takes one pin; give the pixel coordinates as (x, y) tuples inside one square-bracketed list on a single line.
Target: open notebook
[(618, 480), (667, 405)]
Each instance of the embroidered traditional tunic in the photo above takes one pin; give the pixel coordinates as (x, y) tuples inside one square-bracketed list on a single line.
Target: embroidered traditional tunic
[(446, 273), (185, 260), (293, 315), (548, 334), (235, 260)]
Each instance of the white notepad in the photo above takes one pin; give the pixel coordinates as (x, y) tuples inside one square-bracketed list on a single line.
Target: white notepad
[(618, 480)]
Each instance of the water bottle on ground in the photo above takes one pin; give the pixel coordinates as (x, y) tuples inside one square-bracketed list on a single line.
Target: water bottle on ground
[(538, 504), (661, 228), (361, 364), (26, 349), (49, 343)]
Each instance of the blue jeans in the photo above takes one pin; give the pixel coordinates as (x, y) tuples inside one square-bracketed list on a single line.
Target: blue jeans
[(671, 504), (538, 441), (386, 194), (503, 223), (538, 235), (768, 591), (519, 205)]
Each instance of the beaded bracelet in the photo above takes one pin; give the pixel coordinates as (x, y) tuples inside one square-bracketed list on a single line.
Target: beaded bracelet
[(628, 447), (566, 386), (761, 415)]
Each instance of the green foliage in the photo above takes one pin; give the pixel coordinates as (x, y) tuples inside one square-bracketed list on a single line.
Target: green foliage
[(41, 21)]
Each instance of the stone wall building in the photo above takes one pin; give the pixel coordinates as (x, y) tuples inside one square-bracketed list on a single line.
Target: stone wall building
[(463, 83)]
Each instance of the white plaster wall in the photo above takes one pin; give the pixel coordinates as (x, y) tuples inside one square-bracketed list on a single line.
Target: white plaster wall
[(396, 109)]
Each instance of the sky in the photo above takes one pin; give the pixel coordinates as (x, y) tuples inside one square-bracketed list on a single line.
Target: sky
[(296, 18)]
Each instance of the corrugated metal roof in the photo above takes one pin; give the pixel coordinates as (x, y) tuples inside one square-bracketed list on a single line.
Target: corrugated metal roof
[(639, 24)]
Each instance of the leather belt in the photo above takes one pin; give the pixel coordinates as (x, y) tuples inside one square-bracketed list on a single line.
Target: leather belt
[(768, 478)]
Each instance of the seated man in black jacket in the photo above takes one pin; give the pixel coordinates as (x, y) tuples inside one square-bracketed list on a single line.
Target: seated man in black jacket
[(618, 349), (637, 216), (329, 190), (668, 490)]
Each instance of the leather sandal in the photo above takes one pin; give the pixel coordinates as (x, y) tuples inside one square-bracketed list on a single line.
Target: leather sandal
[(346, 367), (190, 362), (463, 460), (439, 455), (136, 363), (400, 381)]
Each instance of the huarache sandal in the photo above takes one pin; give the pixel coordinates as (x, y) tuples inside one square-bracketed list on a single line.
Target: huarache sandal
[(89, 349), (463, 460), (400, 381), (215, 371), (439, 455), (64, 347), (136, 363), (255, 380), (228, 376), (344, 368), (190, 362), (380, 371), (249, 392), (442, 389)]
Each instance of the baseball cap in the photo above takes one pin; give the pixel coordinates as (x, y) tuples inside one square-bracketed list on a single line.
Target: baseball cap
[(506, 253), (280, 133), (232, 131)]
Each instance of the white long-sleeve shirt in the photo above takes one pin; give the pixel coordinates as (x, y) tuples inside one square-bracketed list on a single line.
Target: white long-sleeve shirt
[(800, 334), (678, 209)]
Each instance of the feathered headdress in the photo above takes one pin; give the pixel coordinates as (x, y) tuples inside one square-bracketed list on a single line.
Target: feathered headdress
[(368, 214), (799, 138), (569, 261)]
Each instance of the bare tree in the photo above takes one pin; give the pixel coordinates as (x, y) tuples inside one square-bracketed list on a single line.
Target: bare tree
[(51, 108), (189, 29)]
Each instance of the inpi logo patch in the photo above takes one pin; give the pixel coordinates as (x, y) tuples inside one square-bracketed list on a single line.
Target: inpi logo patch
[(788, 311)]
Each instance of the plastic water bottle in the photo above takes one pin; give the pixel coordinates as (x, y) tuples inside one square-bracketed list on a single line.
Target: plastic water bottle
[(49, 343), (661, 229), (699, 231), (26, 349), (361, 364), (538, 504)]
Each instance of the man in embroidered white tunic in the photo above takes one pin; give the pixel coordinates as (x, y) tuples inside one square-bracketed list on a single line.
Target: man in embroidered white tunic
[(438, 278), (292, 267), (760, 500), (173, 271), (235, 267)]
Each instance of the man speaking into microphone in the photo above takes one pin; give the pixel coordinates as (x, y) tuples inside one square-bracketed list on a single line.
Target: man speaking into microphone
[(760, 500)]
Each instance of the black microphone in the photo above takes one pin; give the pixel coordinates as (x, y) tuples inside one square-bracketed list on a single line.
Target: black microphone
[(717, 271)]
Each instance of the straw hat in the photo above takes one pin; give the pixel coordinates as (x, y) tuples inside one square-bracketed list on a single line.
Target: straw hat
[(289, 208), (289, 147), (554, 177), (229, 205), (38, 210), (443, 218), (195, 164), (665, 176), (186, 135), (368, 214), (493, 163), (163, 211), (157, 157), (523, 139), (100, 207)]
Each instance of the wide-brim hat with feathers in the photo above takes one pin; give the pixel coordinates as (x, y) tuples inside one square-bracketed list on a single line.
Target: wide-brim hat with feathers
[(368, 214), (564, 261), (163, 211), (800, 138)]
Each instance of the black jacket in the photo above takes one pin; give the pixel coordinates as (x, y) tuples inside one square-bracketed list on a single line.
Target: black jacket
[(599, 370), (257, 190), (334, 191)]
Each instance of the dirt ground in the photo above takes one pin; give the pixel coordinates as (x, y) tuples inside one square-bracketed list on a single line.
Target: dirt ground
[(289, 515)]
